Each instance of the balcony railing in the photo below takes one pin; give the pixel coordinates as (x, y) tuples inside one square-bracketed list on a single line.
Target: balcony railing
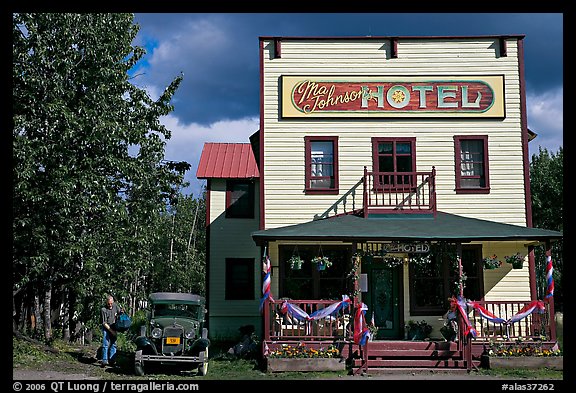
[(399, 192)]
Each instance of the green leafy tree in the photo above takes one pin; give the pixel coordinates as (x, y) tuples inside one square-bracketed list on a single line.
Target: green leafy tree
[(89, 169), (547, 186)]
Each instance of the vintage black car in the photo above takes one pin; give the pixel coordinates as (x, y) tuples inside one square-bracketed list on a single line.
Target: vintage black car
[(174, 334)]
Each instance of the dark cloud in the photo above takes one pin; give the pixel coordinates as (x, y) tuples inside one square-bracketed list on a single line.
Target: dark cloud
[(218, 53), (218, 99)]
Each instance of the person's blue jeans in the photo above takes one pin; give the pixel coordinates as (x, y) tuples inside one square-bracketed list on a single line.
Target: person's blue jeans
[(108, 346)]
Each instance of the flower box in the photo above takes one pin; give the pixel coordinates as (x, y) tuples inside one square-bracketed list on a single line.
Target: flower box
[(305, 364), (532, 362)]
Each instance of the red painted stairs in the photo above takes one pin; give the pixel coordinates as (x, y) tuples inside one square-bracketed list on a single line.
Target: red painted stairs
[(431, 355)]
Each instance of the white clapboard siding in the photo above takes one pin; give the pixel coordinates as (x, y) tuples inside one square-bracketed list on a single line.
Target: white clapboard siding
[(285, 200)]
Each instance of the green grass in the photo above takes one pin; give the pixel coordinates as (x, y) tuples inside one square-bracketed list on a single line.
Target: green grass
[(222, 366)]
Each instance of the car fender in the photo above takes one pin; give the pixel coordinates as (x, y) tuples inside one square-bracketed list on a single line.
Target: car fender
[(144, 343), (200, 345)]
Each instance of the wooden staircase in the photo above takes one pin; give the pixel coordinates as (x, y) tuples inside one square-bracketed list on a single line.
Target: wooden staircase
[(429, 355)]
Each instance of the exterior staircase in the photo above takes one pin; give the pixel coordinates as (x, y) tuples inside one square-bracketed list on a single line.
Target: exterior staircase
[(408, 355)]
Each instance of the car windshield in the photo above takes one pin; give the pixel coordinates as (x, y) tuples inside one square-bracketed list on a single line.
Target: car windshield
[(186, 310)]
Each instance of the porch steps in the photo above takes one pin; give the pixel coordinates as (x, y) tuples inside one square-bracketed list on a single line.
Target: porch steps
[(409, 355)]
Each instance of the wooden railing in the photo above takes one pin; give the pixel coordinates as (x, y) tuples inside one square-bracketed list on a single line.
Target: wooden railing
[(400, 192), (279, 326), (536, 325)]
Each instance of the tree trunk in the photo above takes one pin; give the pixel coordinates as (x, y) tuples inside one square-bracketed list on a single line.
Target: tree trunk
[(47, 319), (192, 231)]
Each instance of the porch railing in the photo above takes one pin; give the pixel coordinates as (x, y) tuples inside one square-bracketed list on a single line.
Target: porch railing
[(279, 326), (535, 325), (400, 192)]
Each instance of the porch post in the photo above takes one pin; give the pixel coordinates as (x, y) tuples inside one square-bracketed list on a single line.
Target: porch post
[(552, 316), (532, 271), (459, 256), (365, 193)]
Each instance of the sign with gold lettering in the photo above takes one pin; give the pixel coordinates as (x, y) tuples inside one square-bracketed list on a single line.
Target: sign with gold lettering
[(407, 96)]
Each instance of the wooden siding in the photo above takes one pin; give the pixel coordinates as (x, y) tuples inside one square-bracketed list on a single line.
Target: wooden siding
[(506, 283), (231, 238), (285, 201)]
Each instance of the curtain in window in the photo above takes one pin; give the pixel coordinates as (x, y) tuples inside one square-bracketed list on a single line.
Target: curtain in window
[(322, 158)]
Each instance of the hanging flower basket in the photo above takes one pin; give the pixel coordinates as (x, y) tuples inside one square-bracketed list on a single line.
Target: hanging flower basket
[(491, 262), (392, 262), (295, 263), (516, 260), (322, 262)]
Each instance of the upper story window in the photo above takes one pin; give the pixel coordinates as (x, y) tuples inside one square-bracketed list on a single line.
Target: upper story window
[(471, 164), (321, 157), (239, 199), (394, 159)]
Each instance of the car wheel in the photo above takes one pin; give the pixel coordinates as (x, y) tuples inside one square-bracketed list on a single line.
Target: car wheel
[(138, 365), (203, 368)]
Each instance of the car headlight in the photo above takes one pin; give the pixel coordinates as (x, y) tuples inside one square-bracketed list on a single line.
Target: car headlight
[(156, 332), (189, 334)]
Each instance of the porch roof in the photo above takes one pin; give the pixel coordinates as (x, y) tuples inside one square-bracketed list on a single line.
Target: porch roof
[(444, 226)]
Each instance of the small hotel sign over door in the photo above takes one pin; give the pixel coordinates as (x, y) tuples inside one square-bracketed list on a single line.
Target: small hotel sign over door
[(446, 96)]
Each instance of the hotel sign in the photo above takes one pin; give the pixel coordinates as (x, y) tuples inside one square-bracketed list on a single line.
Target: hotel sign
[(415, 248), (408, 96)]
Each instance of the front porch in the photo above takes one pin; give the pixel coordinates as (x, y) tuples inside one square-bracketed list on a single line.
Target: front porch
[(282, 328), (404, 267)]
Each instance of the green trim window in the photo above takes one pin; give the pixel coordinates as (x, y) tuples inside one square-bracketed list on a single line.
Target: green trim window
[(308, 282), (239, 199), (434, 280), (239, 279)]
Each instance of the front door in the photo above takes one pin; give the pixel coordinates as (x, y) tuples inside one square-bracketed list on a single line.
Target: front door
[(384, 301)]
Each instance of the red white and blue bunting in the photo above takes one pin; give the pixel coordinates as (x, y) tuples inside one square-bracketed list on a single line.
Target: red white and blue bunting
[(267, 270), (300, 315), (549, 278), (361, 330), (533, 306), (460, 305)]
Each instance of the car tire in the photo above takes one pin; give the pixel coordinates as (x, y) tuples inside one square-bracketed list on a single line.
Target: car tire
[(203, 368), (139, 366)]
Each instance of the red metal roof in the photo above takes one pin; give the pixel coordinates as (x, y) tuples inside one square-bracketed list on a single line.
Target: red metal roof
[(227, 161)]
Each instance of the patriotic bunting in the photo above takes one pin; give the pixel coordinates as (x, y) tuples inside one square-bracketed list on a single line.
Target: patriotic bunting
[(549, 278), (535, 305), (266, 269), (361, 331), (300, 315)]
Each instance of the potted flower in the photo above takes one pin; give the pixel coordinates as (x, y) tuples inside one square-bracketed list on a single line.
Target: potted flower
[(516, 260), (322, 262), (418, 330), (373, 331), (448, 332), (491, 262), (295, 262)]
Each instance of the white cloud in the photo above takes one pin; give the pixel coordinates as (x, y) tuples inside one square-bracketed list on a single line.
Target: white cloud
[(187, 141), (546, 118)]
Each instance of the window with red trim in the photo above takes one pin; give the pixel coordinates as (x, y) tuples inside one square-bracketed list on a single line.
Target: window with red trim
[(321, 158), (394, 160), (471, 164)]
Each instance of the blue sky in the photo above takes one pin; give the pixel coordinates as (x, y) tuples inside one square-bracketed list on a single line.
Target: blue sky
[(217, 53)]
